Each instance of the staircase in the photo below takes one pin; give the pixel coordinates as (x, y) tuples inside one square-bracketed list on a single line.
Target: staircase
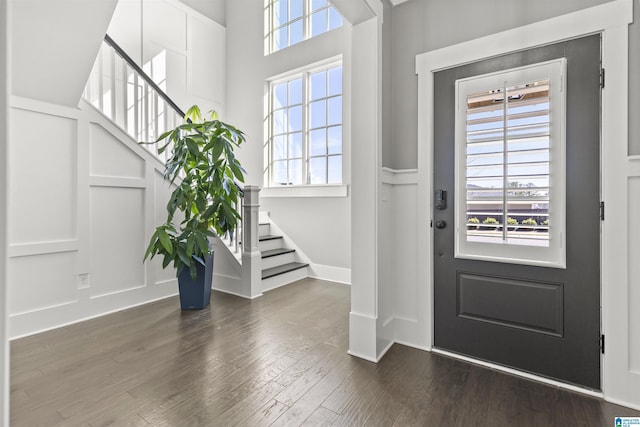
[(279, 266), (256, 260)]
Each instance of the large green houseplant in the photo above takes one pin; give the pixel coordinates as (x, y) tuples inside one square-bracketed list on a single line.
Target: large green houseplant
[(205, 172)]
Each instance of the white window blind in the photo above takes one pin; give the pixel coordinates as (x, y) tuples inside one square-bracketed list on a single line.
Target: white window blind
[(510, 203), (507, 167)]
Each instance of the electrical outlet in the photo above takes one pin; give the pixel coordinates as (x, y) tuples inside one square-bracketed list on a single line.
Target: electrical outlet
[(83, 280)]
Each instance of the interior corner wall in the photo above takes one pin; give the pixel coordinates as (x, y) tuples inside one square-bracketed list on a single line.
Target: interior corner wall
[(79, 218), (4, 135), (213, 9), (191, 43), (321, 227)]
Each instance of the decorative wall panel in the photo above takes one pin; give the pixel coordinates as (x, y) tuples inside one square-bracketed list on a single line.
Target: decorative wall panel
[(117, 239), (42, 171), (41, 281), (110, 157)]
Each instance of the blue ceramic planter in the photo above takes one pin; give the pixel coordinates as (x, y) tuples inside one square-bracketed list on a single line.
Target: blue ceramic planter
[(196, 294)]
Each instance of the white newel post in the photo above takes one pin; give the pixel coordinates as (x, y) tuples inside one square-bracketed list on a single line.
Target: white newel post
[(251, 258)]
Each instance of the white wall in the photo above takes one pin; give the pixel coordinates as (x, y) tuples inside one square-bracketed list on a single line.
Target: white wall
[(634, 83), (49, 61), (192, 43), (320, 226), (213, 9), (4, 114), (83, 200)]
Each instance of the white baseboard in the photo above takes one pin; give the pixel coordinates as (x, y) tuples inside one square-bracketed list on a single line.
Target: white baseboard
[(623, 403), (27, 324), (362, 356), (330, 273), (362, 336), (228, 285), (236, 294)]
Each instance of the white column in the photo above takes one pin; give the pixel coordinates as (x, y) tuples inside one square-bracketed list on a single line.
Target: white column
[(251, 257), (365, 169), (4, 142)]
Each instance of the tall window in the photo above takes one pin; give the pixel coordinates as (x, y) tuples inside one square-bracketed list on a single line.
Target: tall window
[(288, 22), (305, 129), (510, 175)]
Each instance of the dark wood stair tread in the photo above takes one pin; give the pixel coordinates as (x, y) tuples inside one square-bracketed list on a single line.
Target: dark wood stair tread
[(276, 252), (282, 269), (268, 237)]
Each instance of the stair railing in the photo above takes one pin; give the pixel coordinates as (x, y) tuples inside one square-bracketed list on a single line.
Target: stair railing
[(125, 93), (122, 91)]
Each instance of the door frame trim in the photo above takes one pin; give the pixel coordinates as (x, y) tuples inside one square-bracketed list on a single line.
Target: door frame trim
[(609, 19)]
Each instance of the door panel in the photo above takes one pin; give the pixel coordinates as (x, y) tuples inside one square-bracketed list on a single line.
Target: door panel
[(533, 318)]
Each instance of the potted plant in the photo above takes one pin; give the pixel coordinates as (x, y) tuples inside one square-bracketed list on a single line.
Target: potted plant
[(511, 222), (205, 172), (530, 223), (492, 224), (472, 223)]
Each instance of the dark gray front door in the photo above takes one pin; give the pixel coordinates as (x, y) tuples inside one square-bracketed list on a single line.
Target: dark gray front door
[(533, 318)]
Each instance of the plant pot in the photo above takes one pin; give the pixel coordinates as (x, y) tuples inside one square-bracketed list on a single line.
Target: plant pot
[(196, 294)]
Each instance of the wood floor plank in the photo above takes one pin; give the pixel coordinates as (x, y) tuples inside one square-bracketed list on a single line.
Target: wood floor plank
[(278, 360), (266, 415), (321, 417)]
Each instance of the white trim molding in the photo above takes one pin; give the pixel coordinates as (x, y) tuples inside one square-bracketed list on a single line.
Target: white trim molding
[(399, 176), (306, 191), (621, 379)]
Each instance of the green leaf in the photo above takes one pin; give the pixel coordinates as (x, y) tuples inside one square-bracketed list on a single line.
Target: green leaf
[(183, 256), (166, 261), (191, 242), (193, 113), (192, 146), (164, 135), (151, 249), (165, 240), (202, 243)]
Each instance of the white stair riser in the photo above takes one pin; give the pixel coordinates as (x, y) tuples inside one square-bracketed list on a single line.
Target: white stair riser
[(277, 260), (264, 229), (266, 245), (284, 279)]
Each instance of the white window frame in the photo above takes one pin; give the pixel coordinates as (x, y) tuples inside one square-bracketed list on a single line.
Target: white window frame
[(306, 18), (555, 254), (305, 189)]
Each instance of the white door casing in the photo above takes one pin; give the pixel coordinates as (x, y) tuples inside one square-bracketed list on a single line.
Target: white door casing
[(620, 176)]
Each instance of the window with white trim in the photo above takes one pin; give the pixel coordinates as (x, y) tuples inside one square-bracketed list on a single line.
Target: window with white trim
[(304, 143), (510, 167), (288, 22)]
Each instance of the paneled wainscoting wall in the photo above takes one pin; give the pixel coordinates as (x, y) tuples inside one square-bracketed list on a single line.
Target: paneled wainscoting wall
[(83, 199)]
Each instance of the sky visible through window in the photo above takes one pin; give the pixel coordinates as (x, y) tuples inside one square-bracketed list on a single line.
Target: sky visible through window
[(306, 127), (288, 22)]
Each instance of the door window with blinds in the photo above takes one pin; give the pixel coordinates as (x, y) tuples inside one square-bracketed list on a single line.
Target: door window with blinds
[(510, 166)]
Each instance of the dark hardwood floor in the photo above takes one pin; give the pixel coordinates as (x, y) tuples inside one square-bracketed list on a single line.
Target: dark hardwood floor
[(277, 360)]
